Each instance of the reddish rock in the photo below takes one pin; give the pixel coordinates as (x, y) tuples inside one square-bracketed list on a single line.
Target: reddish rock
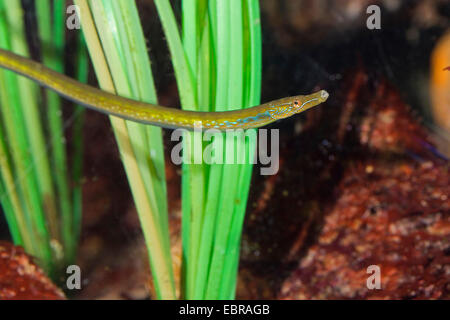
[(22, 279), (368, 188), (391, 209), (393, 215)]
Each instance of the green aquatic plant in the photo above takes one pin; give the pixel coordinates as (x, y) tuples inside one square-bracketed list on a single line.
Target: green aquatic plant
[(40, 194), (119, 54), (212, 218), (217, 63)]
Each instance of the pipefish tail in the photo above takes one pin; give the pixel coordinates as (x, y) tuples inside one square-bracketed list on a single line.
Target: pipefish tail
[(129, 109)]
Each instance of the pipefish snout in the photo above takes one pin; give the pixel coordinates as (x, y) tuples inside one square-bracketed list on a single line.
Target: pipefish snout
[(147, 113)]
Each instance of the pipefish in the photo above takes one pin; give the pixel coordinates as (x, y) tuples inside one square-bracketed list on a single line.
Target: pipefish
[(147, 113)]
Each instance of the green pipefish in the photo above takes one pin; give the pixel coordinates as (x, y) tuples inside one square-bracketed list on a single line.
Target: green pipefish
[(147, 113)]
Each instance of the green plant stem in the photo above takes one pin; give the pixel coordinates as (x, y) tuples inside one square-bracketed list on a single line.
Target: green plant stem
[(217, 41), (77, 132), (24, 131), (51, 27), (111, 57), (252, 66), (9, 197), (183, 64)]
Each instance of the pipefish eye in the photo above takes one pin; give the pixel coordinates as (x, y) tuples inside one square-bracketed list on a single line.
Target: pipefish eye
[(296, 102)]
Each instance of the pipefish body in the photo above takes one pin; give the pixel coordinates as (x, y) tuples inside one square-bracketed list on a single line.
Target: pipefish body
[(129, 109)]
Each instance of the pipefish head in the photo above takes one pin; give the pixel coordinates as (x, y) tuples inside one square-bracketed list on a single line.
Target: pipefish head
[(287, 107)]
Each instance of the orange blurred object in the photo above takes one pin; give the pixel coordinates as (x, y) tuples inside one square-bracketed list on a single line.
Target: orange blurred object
[(440, 82)]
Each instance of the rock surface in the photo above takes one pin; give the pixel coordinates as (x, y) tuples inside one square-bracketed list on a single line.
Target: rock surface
[(369, 189), (22, 279)]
